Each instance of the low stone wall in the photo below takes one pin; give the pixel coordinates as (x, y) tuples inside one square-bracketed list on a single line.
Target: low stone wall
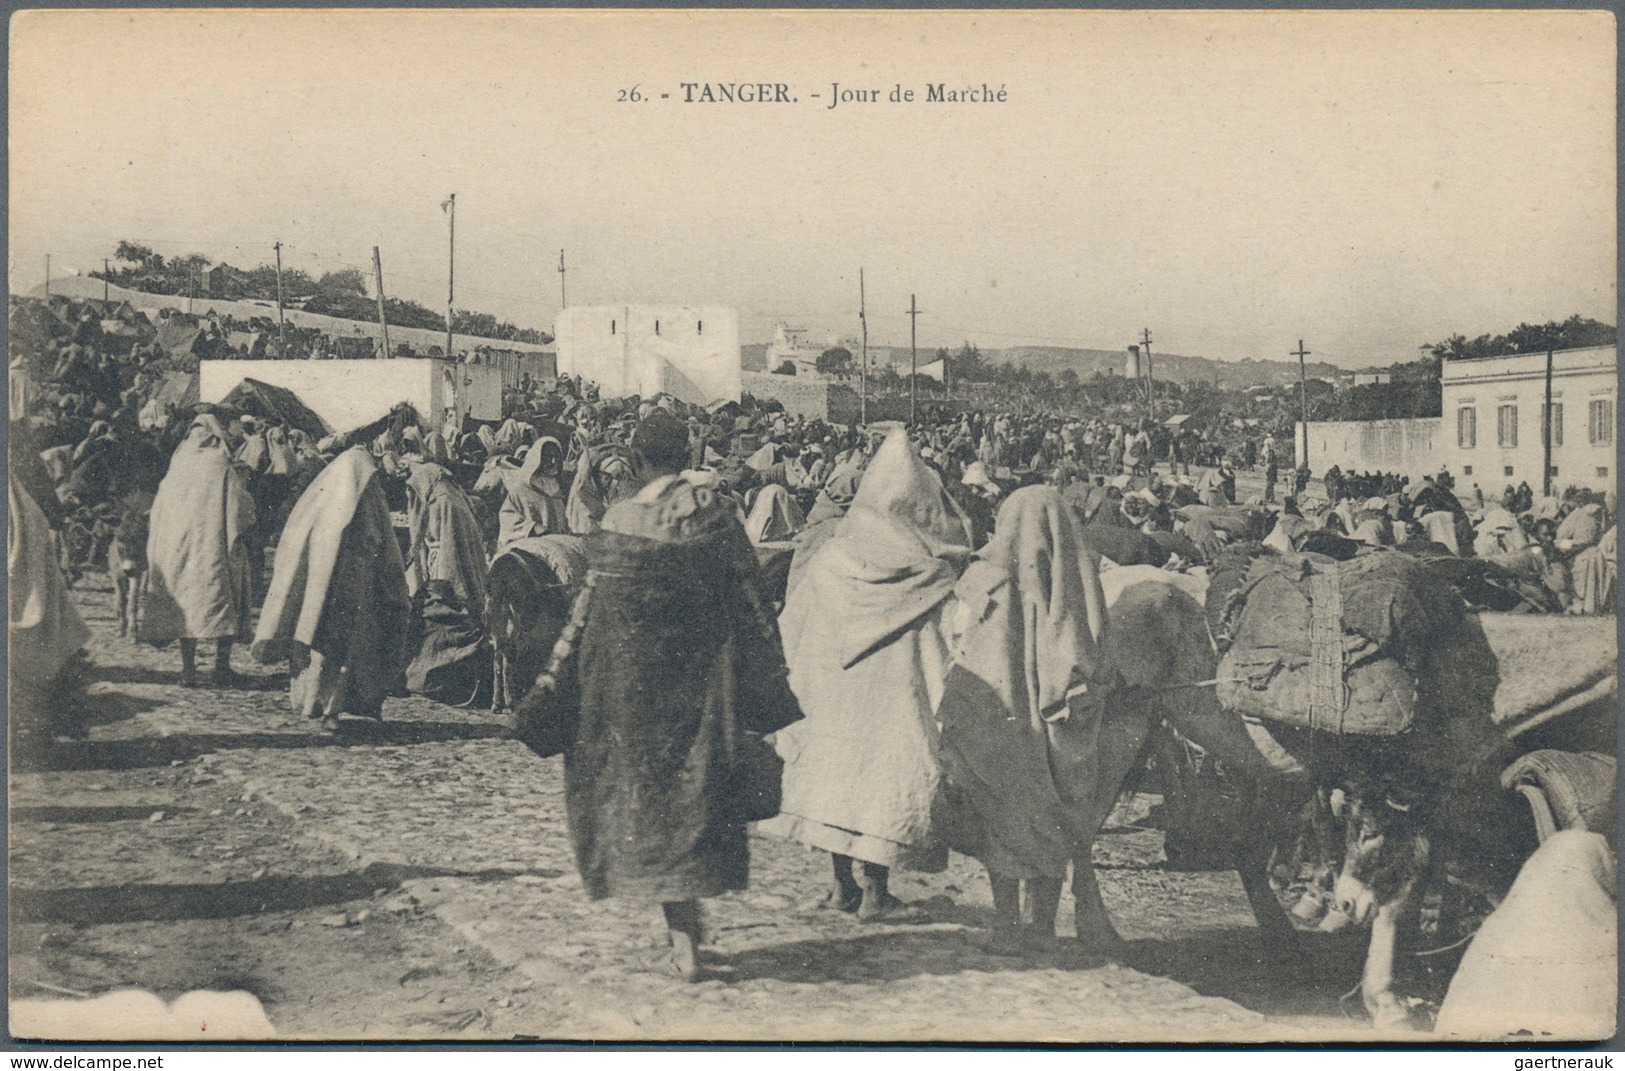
[(810, 398), (1412, 447)]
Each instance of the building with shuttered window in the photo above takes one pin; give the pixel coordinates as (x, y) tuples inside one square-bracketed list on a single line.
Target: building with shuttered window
[(1494, 422)]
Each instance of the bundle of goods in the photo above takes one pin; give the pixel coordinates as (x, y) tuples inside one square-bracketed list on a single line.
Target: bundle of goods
[(1544, 667), (1240, 524), (1333, 646)]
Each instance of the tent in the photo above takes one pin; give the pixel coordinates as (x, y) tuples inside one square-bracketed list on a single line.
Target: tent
[(177, 337), (268, 402)]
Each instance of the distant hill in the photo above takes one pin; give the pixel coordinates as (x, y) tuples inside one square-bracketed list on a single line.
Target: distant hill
[(1172, 368)]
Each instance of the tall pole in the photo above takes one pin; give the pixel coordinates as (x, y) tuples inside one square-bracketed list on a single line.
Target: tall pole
[(1150, 378), (107, 269), (562, 302), (863, 365), (451, 272), (1546, 430), (191, 289), (281, 323), (913, 356), (1303, 399), (378, 279), (47, 275)]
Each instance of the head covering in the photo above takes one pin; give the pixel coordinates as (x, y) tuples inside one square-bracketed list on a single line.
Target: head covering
[(765, 457), (976, 476), (206, 431), (1038, 555), (434, 448), (838, 492), (710, 479), (1440, 527), (1037, 619), (774, 516), (530, 469), (1376, 505), (893, 559), (901, 511)]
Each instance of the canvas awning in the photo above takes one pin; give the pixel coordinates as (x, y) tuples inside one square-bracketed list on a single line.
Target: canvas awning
[(1175, 421), (269, 402)]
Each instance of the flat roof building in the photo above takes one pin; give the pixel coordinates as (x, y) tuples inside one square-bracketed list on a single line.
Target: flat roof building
[(1493, 423)]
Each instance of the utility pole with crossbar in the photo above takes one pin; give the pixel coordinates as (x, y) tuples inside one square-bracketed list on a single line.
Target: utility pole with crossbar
[(378, 280), (1150, 377), (281, 323), (1303, 400), (913, 356), (863, 358)]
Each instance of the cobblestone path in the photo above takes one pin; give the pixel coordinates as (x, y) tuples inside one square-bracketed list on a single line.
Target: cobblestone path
[(414, 880)]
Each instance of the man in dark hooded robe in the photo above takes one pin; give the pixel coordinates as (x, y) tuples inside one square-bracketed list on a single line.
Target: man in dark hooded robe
[(671, 657)]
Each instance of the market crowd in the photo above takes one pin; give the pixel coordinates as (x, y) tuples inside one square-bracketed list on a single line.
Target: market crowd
[(914, 614)]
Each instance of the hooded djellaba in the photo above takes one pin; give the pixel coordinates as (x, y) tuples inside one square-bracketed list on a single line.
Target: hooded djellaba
[(1021, 706), (535, 502), (338, 609), (603, 476), (46, 631), (445, 577), (670, 659), (198, 569), (864, 637)]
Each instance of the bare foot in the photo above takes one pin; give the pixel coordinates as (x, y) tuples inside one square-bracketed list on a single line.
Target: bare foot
[(887, 908), (836, 900)]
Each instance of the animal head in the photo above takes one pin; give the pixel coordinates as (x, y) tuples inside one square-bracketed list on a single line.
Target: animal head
[(1386, 846)]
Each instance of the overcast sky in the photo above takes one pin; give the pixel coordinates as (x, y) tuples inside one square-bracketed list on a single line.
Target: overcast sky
[(1235, 181)]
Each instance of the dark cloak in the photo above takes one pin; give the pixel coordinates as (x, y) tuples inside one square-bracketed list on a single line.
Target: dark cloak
[(678, 658)]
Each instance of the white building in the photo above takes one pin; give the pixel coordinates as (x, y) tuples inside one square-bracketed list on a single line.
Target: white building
[(796, 344), (687, 351), (1492, 432), (348, 394)]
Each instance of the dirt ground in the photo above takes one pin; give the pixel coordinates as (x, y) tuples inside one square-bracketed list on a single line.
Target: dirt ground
[(414, 880)]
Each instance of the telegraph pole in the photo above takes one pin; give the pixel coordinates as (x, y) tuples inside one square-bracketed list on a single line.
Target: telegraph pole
[(562, 303), (1150, 378), (863, 366), (281, 323), (913, 356), (1546, 430), (47, 275), (378, 278), (107, 269), (1303, 398), (451, 273)]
